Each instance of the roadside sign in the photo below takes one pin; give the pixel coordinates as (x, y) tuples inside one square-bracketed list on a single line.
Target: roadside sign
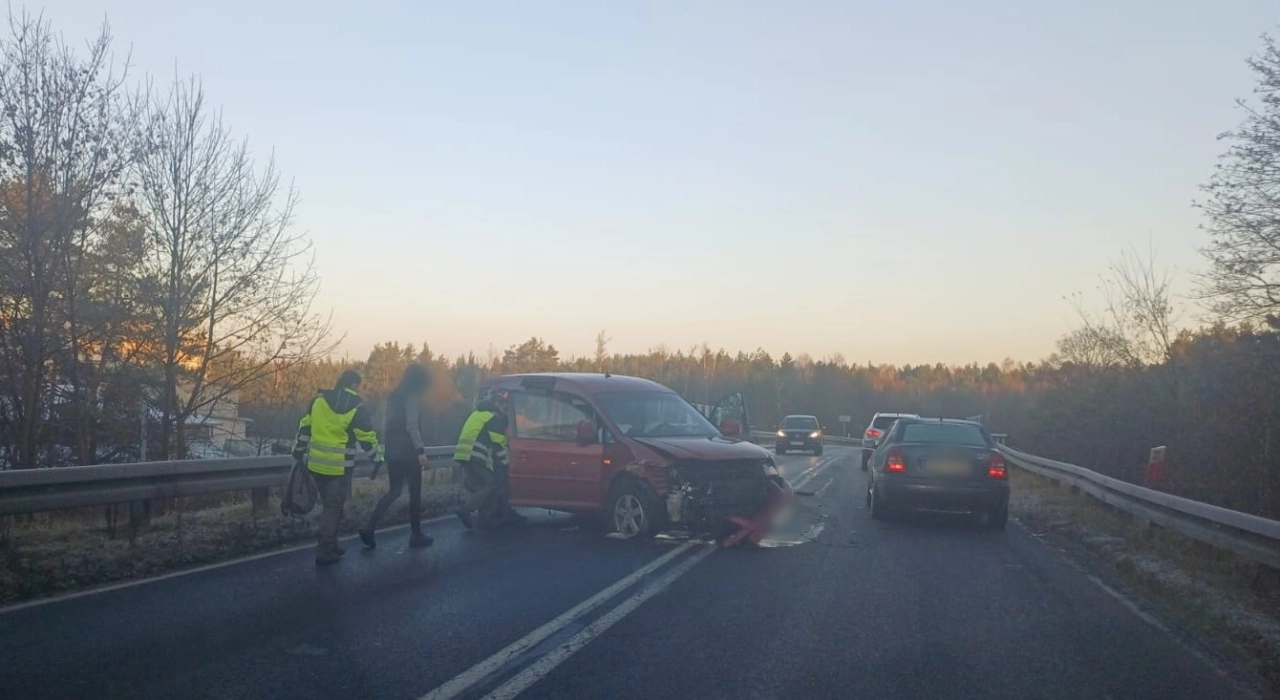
[(1156, 464), (846, 419)]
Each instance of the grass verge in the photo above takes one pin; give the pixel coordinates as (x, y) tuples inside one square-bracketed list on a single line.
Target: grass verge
[(1230, 604), (53, 553)]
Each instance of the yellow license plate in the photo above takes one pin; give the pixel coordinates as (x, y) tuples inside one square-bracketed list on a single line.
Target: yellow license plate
[(948, 467)]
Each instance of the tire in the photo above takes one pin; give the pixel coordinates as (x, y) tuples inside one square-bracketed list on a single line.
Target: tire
[(818, 452), (878, 509), (632, 511), (998, 518), (866, 459)]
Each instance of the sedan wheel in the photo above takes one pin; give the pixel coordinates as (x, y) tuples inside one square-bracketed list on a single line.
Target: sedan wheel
[(878, 509)]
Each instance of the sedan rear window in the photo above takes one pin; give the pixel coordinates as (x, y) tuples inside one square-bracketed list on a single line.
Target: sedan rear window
[(944, 433), (800, 422)]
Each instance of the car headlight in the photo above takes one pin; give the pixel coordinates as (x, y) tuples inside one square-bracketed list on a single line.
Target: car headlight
[(781, 434), (814, 434)]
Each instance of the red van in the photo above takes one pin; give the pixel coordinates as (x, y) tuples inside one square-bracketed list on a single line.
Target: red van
[(633, 452)]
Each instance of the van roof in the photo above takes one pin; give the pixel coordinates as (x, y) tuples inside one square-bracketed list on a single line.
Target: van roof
[(585, 382)]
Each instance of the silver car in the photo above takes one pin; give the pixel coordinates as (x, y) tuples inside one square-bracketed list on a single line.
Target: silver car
[(876, 431)]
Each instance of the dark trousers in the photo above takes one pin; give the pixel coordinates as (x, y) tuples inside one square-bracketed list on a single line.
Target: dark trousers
[(502, 474), (482, 485), (403, 471), (333, 497)]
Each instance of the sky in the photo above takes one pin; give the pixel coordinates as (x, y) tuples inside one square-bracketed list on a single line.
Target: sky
[(910, 182)]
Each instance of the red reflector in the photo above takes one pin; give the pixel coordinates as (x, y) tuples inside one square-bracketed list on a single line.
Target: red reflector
[(997, 468), (894, 462)]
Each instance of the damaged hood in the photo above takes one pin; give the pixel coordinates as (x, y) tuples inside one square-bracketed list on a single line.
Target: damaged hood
[(716, 448)]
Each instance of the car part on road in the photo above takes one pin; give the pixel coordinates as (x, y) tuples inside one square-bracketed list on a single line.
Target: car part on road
[(752, 530)]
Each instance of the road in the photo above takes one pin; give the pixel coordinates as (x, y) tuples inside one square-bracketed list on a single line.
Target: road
[(839, 606)]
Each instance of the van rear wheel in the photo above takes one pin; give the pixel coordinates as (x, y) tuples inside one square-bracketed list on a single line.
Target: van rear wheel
[(633, 511)]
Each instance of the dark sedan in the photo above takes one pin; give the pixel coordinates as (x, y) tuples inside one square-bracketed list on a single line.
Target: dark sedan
[(799, 433), (941, 465)]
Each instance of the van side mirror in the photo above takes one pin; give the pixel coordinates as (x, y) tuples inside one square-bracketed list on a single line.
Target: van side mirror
[(730, 427), (586, 433)]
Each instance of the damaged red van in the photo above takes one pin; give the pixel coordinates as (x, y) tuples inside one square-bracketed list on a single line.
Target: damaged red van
[(634, 453)]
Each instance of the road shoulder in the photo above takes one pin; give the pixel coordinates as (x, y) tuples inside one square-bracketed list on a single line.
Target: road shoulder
[(1217, 605)]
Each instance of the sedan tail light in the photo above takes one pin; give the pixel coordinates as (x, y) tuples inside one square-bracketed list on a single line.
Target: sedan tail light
[(873, 433), (895, 461), (997, 469)]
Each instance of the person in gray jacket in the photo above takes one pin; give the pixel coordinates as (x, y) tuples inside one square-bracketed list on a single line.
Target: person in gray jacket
[(405, 453)]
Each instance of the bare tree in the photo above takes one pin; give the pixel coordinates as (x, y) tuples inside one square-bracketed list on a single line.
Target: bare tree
[(1090, 347), (233, 282), (602, 350), (1138, 321), (65, 143), (1243, 205)]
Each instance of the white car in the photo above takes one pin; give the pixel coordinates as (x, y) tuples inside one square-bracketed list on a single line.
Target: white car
[(879, 427)]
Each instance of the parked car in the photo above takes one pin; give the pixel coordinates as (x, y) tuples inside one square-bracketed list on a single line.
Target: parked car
[(799, 432), (633, 452), (939, 464), (880, 424)]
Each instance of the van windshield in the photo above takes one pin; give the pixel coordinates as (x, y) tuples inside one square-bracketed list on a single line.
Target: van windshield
[(655, 414)]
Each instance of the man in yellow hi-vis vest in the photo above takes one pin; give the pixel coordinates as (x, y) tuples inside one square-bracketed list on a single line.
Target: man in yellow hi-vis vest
[(336, 425), (482, 451)]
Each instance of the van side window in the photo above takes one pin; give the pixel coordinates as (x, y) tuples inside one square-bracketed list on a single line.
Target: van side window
[(548, 416)]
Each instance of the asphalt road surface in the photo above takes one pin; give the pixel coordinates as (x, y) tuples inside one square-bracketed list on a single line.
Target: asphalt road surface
[(835, 606)]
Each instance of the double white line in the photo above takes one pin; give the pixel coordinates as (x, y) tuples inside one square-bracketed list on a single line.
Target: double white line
[(545, 663), (809, 474)]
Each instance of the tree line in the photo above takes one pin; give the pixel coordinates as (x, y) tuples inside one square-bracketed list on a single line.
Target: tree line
[(148, 269)]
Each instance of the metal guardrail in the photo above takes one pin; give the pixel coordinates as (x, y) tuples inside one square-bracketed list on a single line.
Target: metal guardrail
[(1250, 536), (37, 490)]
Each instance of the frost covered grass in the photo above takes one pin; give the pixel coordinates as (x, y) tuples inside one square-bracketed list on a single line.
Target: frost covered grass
[(49, 553), (1228, 602)]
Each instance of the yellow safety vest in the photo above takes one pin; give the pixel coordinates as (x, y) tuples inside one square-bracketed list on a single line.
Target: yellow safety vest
[(330, 438), (471, 446)]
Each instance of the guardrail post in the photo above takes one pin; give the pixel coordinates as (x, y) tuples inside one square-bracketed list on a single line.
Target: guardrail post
[(139, 514), (261, 497)]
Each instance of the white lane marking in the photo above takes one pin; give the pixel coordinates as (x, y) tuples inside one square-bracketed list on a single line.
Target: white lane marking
[(540, 668), (463, 681), (187, 572), (811, 475), (824, 487), (813, 531)]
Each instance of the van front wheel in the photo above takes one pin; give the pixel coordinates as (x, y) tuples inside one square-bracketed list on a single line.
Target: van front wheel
[(633, 511)]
